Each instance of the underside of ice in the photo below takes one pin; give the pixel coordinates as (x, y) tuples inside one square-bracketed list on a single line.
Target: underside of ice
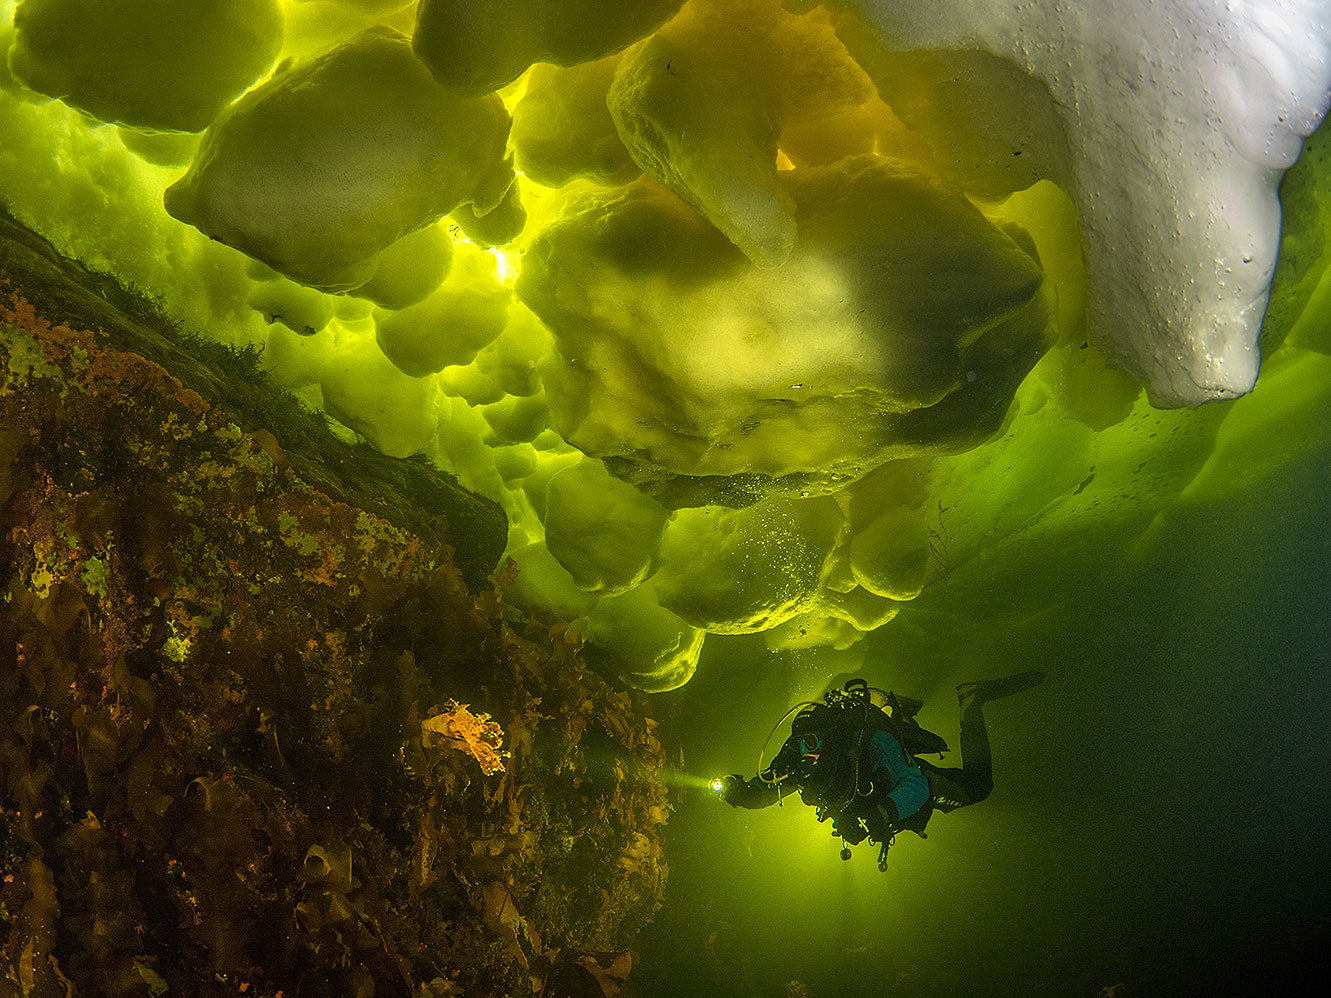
[(764, 316), (1180, 118)]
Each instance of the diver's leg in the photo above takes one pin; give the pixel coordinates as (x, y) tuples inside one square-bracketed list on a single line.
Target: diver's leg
[(951, 788), (974, 781), (948, 787), (994, 689)]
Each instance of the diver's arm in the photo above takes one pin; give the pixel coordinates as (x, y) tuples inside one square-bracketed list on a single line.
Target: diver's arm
[(909, 795), (910, 787), (765, 789), (752, 793)]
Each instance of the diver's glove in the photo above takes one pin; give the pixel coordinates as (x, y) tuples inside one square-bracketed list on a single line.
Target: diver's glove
[(739, 792), (731, 786), (852, 830)]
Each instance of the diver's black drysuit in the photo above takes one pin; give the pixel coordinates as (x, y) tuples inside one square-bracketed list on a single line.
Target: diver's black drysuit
[(855, 762)]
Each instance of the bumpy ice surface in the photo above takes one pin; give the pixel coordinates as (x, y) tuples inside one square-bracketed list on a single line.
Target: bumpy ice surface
[(758, 318)]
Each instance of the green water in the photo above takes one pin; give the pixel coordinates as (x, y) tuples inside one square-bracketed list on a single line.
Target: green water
[(1161, 820), (1161, 817)]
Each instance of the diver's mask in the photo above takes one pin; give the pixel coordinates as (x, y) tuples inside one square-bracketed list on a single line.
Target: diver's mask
[(811, 747)]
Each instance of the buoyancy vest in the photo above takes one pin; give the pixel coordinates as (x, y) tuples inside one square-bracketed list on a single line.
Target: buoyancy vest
[(837, 772)]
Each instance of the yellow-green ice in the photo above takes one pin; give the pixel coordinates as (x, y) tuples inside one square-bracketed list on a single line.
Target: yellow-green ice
[(756, 317)]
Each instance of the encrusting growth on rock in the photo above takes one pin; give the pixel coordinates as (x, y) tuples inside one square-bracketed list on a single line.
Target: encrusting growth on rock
[(258, 738)]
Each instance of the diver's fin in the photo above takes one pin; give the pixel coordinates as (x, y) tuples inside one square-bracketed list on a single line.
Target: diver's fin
[(901, 708), (993, 689), (910, 706)]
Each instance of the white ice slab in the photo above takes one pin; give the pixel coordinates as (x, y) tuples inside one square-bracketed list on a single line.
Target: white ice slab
[(1182, 115)]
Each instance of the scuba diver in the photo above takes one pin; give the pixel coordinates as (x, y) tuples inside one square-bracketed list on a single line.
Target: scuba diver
[(854, 757)]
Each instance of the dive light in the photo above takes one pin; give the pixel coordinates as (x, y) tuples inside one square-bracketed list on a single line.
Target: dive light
[(718, 785)]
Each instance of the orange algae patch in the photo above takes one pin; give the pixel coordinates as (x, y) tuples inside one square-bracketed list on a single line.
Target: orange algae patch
[(224, 645), (103, 371), (476, 734)]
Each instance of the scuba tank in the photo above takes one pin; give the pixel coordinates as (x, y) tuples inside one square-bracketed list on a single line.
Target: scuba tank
[(843, 723), (837, 759)]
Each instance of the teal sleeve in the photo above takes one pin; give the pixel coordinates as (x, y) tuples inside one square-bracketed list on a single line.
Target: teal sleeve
[(910, 787)]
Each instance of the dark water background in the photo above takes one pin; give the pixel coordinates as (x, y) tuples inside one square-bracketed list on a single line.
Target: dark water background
[(1161, 821)]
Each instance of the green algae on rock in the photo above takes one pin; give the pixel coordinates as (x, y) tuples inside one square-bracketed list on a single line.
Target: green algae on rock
[(250, 715)]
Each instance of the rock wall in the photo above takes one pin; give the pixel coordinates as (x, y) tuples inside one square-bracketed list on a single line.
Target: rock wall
[(266, 725)]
